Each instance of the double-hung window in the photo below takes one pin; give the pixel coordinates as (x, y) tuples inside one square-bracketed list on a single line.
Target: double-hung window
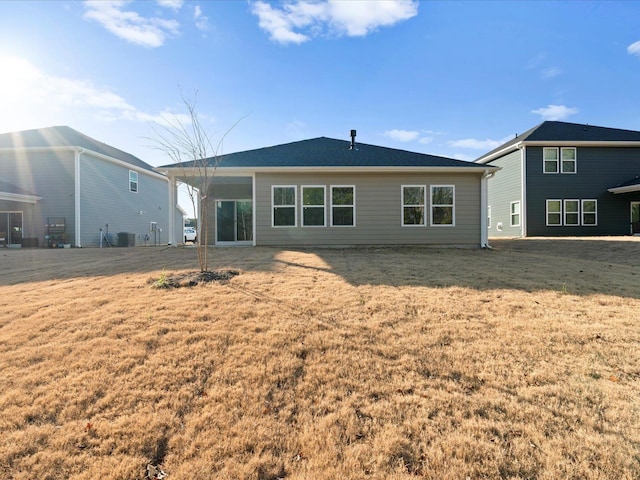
[(550, 160), (569, 160), (554, 213), (413, 205), (133, 181), (343, 206), (283, 202), (442, 205), (572, 212), (590, 212), (313, 199), (514, 213)]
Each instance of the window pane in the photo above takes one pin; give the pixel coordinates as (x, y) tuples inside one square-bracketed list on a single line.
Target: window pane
[(515, 207), (413, 216), (342, 195), (589, 218), (553, 218), (413, 195), (589, 206), (312, 196), (284, 216), (550, 166), (313, 216), (442, 196), (568, 154), (342, 215), (553, 206), (551, 154), (284, 196), (568, 167), (442, 215)]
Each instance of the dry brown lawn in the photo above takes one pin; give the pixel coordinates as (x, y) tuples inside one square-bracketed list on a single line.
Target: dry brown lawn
[(373, 363)]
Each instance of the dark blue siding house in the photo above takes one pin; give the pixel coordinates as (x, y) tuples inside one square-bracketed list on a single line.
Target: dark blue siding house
[(561, 179)]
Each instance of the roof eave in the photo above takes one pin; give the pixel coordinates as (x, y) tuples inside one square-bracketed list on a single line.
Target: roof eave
[(627, 189), (17, 197)]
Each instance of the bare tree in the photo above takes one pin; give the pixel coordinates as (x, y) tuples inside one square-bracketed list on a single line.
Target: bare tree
[(184, 139)]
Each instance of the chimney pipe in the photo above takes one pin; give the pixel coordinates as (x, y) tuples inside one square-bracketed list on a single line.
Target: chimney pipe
[(353, 140)]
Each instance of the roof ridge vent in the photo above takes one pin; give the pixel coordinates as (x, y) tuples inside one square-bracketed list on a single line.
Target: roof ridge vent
[(353, 141)]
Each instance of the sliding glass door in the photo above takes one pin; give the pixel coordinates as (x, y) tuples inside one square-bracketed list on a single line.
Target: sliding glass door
[(234, 222)]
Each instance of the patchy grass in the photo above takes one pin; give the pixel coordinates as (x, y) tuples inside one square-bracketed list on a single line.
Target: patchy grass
[(517, 363)]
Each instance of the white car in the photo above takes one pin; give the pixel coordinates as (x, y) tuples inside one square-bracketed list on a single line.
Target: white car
[(190, 235)]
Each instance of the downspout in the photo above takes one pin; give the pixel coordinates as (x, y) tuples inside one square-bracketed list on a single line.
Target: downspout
[(76, 193), (484, 203), (171, 182), (253, 206), (523, 190)]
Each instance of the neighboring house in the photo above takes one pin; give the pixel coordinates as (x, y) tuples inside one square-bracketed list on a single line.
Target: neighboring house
[(60, 187), (324, 191), (565, 179)]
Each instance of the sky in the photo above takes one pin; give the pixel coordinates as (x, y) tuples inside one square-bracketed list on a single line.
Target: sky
[(449, 78)]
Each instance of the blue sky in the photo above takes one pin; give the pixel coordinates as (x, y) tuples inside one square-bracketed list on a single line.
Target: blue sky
[(447, 78)]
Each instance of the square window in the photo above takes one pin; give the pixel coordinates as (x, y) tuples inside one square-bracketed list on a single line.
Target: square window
[(589, 212)]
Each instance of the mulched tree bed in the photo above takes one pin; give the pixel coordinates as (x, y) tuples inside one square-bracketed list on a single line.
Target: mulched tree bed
[(191, 279)]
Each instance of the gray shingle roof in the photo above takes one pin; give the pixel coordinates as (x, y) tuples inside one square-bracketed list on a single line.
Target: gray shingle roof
[(329, 152), (553, 131), (63, 136)]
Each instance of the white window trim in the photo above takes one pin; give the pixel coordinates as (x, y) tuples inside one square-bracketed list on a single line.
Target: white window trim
[(137, 182), (323, 206), (582, 212), (575, 160), (555, 213), (331, 187), (565, 213), (511, 213), (423, 205), (295, 203), (432, 205), (557, 160)]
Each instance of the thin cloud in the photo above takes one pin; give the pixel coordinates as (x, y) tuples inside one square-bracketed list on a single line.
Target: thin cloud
[(550, 72), (174, 5), (297, 22), (129, 25), (555, 112), (475, 144), (202, 22), (402, 135), (634, 49)]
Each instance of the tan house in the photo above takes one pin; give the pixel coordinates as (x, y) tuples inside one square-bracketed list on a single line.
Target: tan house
[(328, 192)]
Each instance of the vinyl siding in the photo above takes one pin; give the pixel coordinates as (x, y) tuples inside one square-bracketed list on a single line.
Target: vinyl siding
[(503, 188), (106, 199), (597, 170), (49, 175), (378, 211)]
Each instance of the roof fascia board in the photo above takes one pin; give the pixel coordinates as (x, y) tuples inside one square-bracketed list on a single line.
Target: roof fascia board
[(627, 189), (583, 143), (238, 171), (16, 197), (500, 153)]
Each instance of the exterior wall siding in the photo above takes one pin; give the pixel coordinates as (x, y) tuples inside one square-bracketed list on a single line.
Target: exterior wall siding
[(49, 175), (106, 200), (598, 168), (503, 188), (378, 210)]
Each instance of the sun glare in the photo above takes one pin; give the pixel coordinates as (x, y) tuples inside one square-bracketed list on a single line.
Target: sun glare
[(17, 78)]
